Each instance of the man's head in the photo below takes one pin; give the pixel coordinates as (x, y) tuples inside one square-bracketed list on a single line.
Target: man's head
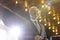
[(34, 13)]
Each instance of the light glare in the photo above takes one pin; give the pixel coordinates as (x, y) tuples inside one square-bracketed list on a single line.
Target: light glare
[(49, 27), (45, 24), (1, 22), (42, 1), (15, 32), (16, 2), (40, 20), (54, 18), (56, 30), (3, 34), (53, 30), (58, 22), (42, 6), (56, 33), (49, 12), (26, 9), (53, 27)]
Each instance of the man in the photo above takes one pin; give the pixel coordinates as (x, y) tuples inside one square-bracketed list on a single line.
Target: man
[(34, 14)]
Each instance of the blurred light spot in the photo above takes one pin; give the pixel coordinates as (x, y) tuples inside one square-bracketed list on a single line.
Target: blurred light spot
[(39, 17), (56, 33), (16, 2), (49, 24), (44, 19), (53, 30), (1, 22), (56, 30), (53, 27), (45, 24), (40, 20), (49, 28), (43, 6), (3, 34), (15, 31), (49, 12), (26, 9), (26, 4), (42, 1), (58, 22), (54, 18)]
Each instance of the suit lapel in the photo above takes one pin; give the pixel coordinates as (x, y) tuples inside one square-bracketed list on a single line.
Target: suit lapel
[(35, 30)]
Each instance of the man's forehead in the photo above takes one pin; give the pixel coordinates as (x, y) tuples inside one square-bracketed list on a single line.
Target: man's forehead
[(33, 10)]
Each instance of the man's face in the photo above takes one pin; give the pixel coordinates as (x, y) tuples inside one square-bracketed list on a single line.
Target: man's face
[(33, 13)]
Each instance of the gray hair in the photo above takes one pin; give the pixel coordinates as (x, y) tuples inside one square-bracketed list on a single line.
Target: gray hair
[(34, 12)]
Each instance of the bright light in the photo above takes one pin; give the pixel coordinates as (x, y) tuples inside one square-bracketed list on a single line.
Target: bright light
[(49, 27), (44, 19), (42, 1), (39, 11), (26, 9), (42, 6), (40, 20), (3, 34), (53, 30), (58, 22), (53, 27), (45, 24), (54, 18), (56, 30), (49, 12), (26, 3), (1, 22), (16, 2), (56, 33), (15, 32), (49, 24)]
